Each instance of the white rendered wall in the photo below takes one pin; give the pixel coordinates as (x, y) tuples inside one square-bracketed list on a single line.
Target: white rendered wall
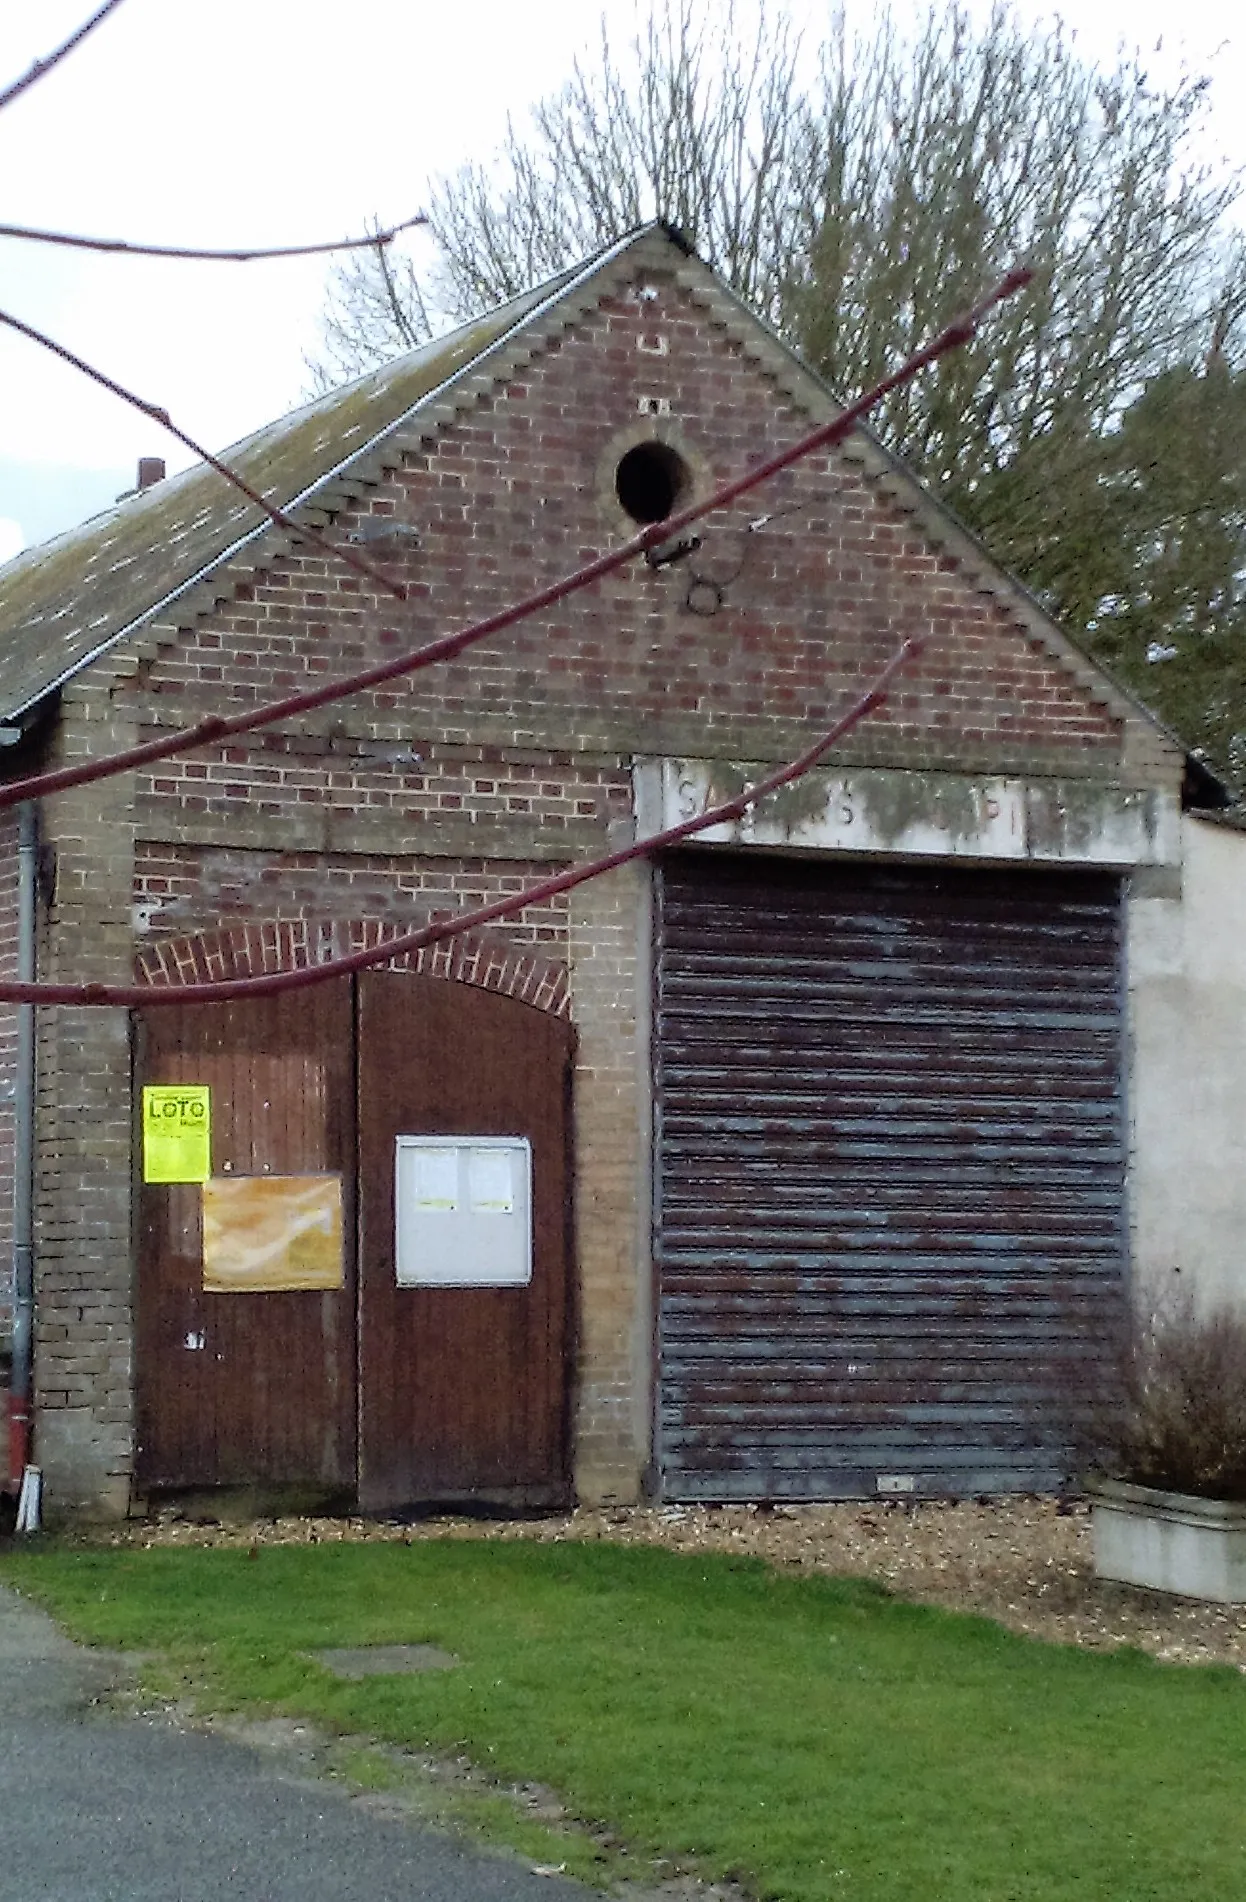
[(1187, 1077)]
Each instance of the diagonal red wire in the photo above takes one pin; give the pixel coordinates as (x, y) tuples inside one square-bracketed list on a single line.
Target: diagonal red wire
[(224, 990), (45, 65), (222, 727)]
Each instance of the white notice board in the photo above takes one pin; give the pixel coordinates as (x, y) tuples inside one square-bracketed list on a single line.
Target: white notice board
[(463, 1211)]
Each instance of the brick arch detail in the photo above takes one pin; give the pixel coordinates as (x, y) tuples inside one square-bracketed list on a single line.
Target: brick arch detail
[(255, 949)]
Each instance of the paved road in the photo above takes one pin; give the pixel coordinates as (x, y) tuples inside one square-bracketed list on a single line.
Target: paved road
[(96, 1807)]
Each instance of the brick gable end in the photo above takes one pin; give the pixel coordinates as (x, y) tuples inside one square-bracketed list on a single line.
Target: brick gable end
[(745, 647)]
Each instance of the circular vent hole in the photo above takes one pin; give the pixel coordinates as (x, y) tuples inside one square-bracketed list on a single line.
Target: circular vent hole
[(649, 482)]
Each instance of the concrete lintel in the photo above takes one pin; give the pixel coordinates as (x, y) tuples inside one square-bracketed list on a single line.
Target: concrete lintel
[(920, 814)]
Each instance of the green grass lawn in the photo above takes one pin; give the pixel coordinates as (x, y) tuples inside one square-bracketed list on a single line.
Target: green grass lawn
[(813, 1737)]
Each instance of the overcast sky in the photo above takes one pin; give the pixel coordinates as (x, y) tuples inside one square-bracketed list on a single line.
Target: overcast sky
[(220, 122)]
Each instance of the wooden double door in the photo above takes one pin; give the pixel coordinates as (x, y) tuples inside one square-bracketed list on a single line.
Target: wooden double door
[(395, 1394)]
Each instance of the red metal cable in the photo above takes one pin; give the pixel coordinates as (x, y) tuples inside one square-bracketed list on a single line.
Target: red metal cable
[(42, 66), (161, 416), (125, 248), (225, 990), (220, 727)]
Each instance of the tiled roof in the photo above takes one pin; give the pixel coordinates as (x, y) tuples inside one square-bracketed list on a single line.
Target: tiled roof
[(63, 603)]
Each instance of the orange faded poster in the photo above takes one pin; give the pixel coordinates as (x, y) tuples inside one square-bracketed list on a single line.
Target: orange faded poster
[(263, 1234)]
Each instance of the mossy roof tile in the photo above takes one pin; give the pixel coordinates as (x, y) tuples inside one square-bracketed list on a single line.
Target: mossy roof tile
[(64, 602)]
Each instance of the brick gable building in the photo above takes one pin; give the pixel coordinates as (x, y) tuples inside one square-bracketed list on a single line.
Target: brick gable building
[(838, 1134)]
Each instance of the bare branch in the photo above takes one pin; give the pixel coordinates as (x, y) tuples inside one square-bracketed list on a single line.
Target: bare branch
[(301, 978), (404, 324), (161, 416), (372, 241), (43, 66), (375, 309)]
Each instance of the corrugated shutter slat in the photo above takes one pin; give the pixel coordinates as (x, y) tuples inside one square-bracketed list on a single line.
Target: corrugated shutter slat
[(889, 1171)]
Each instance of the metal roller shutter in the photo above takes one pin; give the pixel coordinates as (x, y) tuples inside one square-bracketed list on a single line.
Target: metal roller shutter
[(889, 1152)]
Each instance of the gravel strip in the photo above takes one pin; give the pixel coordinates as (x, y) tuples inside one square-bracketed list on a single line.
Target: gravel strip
[(1025, 1562)]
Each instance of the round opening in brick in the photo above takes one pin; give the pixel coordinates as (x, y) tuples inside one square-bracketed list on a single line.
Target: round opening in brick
[(650, 481)]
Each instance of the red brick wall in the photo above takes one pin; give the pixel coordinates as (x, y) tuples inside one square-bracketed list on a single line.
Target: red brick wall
[(249, 950), (238, 913), (270, 775), (518, 492), (184, 888)]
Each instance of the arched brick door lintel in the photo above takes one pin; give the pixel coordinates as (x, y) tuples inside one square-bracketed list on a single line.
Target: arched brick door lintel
[(254, 949)]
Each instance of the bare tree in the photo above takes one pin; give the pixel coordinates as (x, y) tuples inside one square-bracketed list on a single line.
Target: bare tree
[(376, 309), (855, 207), (934, 156), (855, 195), (692, 124)]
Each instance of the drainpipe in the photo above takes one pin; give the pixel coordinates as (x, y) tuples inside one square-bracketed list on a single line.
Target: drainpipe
[(21, 1384)]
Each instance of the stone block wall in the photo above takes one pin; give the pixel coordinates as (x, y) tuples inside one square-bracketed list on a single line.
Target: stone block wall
[(8, 1077), (84, 1133), (609, 995)]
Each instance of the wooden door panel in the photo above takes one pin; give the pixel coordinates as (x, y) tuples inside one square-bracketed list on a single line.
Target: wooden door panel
[(239, 1388), (464, 1391)]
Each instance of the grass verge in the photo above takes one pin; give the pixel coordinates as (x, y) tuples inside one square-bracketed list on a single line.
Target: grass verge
[(811, 1738)]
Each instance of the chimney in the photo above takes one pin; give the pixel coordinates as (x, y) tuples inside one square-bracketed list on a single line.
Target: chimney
[(150, 469)]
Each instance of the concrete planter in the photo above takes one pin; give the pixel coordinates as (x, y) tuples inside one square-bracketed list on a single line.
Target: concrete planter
[(1169, 1542)]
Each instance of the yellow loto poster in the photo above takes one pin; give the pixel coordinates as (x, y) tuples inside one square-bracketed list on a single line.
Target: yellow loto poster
[(264, 1234), (177, 1132)]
